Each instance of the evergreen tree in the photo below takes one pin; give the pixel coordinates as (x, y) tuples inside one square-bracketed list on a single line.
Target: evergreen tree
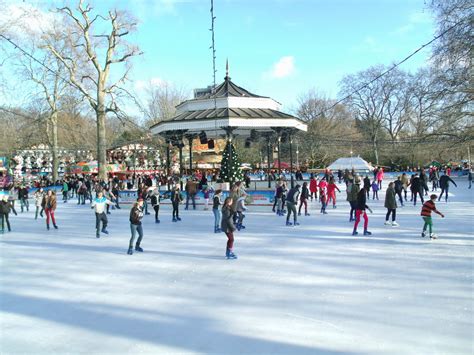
[(230, 166)]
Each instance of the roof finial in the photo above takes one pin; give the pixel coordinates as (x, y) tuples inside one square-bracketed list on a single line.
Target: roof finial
[(227, 68)]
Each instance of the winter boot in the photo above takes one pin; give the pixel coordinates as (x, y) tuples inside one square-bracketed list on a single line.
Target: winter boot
[(138, 248), (230, 255), (366, 232), (130, 251)]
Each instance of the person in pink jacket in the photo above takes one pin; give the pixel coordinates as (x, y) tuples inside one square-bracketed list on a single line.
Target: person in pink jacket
[(380, 178)]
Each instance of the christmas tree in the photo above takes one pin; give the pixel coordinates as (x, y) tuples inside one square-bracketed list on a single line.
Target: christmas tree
[(230, 165)]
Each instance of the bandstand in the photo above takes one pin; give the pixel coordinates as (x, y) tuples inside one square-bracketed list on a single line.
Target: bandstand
[(228, 112)]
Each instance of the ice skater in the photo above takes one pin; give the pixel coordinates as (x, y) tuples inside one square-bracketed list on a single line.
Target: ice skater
[(5, 208), (428, 207), (353, 188), (136, 215), (240, 209), (176, 199), (444, 185), (375, 190), (155, 203), (227, 226), (291, 202), (99, 207), (391, 205), (23, 197), (361, 206), (332, 187), (49, 205), (304, 199), (39, 195), (216, 203)]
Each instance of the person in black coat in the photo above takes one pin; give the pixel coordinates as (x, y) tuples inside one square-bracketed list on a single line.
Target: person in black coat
[(5, 208), (228, 227), (444, 185), (361, 206), (417, 188), (398, 189), (304, 199), (367, 184), (424, 182)]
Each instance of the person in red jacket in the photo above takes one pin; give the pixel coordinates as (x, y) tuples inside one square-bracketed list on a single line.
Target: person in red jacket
[(428, 207), (313, 187), (332, 187)]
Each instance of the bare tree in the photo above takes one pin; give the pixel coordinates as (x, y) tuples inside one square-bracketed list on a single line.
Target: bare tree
[(368, 100), (161, 101), (327, 126), (95, 54), (396, 115)]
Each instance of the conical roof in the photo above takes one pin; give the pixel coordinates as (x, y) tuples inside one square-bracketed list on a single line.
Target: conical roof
[(229, 89)]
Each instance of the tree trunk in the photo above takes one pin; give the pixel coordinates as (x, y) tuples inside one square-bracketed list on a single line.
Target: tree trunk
[(101, 140), (54, 145), (376, 153)]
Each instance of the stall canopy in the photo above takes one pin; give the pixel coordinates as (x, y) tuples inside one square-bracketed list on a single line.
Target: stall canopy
[(356, 163)]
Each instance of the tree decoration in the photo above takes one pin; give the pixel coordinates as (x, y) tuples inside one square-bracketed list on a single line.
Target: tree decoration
[(230, 165)]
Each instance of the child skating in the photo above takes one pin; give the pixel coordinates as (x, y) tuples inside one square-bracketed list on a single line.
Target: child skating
[(428, 207), (332, 187)]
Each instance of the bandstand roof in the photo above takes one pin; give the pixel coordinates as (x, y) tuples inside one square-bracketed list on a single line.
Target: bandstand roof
[(231, 107)]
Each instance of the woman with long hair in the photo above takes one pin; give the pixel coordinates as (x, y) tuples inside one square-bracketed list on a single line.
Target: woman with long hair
[(227, 226), (49, 206)]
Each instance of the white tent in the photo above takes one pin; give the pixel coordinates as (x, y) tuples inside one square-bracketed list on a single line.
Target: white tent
[(356, 163)]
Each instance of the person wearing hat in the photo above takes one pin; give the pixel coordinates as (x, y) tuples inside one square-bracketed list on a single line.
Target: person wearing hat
[(291, 202), (136, 215)]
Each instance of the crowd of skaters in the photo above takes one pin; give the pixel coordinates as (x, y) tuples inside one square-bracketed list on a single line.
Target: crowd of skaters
[(229, 213)]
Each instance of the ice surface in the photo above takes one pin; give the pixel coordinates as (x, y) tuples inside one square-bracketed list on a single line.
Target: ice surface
[(311, 289)]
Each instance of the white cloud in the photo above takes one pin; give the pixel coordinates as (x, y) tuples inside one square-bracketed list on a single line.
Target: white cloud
[(283, 68)]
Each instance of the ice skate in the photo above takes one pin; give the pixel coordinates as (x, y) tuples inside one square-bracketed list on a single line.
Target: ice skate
[(289, 223), (433, 236), (130, 251), (387, 223), (138, 248), (395, 224), (366, 232)]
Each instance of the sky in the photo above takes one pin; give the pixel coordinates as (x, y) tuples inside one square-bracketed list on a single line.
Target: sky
[(276, 48)]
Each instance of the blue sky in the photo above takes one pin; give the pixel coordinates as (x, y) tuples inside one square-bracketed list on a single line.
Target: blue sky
[(276, 48)]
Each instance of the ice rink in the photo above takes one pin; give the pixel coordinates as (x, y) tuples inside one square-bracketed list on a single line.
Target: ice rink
[(310, 289)]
